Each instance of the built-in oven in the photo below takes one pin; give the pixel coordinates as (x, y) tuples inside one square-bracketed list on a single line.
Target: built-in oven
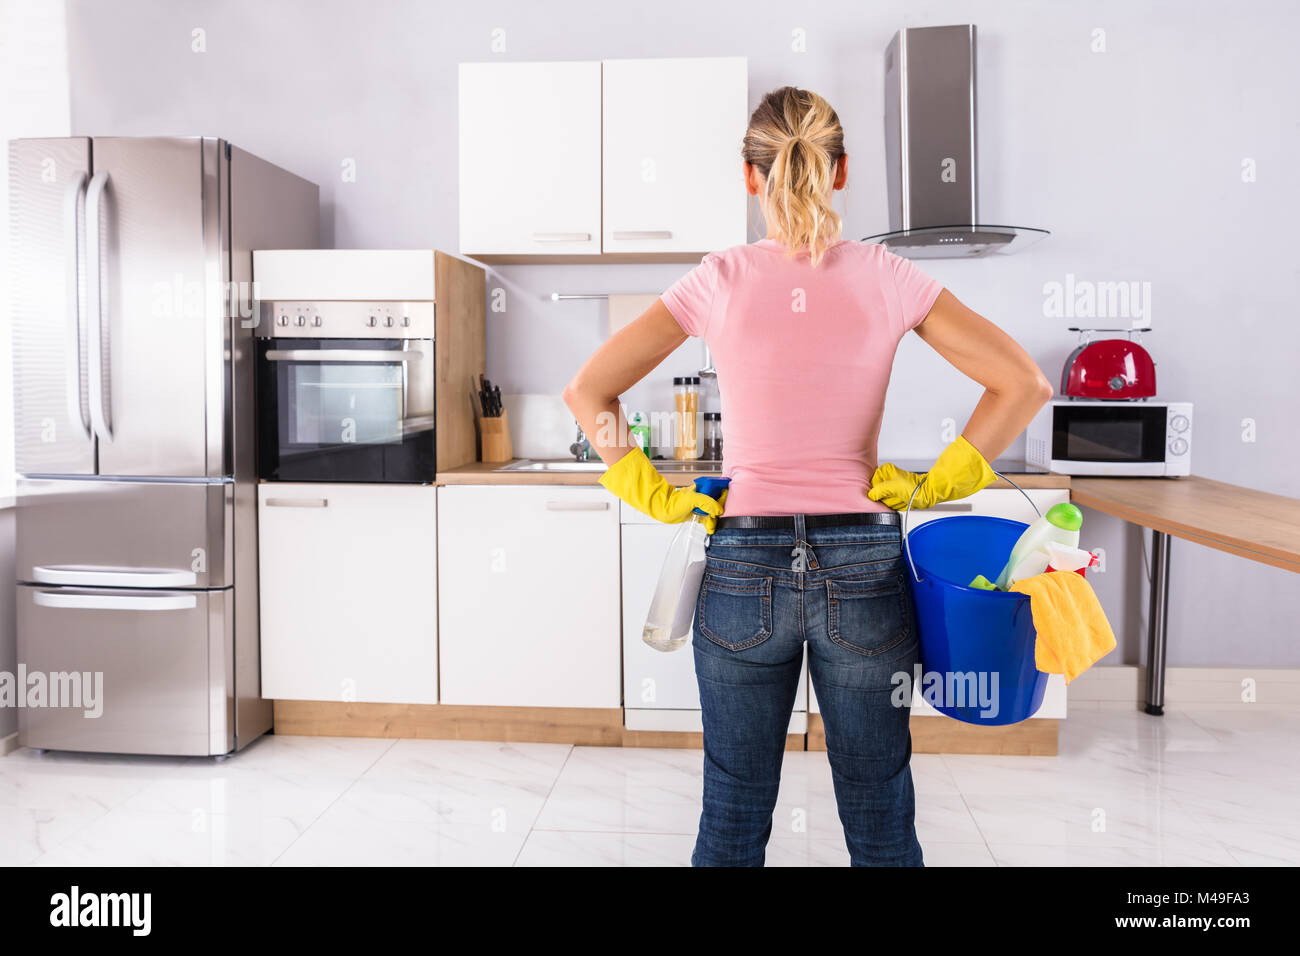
[(345, 392)]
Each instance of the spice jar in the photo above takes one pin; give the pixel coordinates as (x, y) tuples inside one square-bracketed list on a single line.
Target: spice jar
[(686, 397), (713, 436)]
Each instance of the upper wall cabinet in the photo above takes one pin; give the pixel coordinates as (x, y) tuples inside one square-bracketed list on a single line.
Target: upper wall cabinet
[(530, 158), (672, 162), (659, 150)]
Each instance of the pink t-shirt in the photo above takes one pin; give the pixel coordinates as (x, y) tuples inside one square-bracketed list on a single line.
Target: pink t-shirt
[(803, 355)]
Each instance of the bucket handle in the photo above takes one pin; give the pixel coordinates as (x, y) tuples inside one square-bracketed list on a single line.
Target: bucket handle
[(906, 541)]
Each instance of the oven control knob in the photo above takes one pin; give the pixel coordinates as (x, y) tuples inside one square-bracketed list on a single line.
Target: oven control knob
[(283, 320), (1179, 423), (406, 320), (316, 321), (373, 322), (1178, 446), (302, 320), (389, 321)]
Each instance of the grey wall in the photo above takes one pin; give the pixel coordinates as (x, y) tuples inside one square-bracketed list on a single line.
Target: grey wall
[(1132, 157)]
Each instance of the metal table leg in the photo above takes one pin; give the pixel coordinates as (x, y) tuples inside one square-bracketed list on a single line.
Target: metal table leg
[(1158, 623)]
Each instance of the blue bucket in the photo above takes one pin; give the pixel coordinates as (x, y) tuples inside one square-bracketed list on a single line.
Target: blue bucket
[(980, 644)]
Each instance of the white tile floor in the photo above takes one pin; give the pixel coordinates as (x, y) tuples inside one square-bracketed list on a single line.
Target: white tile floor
[(1214, 788)]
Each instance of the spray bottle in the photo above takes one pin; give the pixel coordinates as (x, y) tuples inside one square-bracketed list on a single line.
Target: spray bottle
[(668, 625)]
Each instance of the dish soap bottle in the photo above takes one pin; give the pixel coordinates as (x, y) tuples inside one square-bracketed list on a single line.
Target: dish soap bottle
[(1061, 524), (668, 625)]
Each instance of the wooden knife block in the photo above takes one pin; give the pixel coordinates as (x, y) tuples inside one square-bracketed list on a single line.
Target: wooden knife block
[(495, 434)]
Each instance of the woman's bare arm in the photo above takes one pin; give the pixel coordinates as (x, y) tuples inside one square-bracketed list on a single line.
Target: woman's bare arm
[(629, 356), (1014, 387)]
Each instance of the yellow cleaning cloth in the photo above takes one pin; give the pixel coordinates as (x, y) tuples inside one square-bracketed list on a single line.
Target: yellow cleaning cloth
[(1073, 632)]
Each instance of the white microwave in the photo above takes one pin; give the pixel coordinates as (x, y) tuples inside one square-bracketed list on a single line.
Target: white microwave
[(1082, 437)]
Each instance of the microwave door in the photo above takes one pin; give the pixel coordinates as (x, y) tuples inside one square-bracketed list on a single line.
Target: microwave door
[(48, 179), (1113, 433)]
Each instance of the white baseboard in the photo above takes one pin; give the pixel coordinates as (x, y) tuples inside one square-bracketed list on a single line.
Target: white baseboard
[(8, 744), (1188, 688)]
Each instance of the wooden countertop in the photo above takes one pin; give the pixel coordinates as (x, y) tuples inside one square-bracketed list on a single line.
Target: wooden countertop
[(1253, 524), (489, 473)]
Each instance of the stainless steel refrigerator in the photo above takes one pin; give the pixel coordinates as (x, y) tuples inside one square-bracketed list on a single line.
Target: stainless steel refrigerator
[(134, 435)]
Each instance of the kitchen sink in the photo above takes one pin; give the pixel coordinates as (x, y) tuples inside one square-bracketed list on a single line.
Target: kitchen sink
[(528, 464), (532, 466)]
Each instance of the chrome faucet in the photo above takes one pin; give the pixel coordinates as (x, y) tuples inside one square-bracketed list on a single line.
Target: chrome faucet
[(708, 371), (581, 448)]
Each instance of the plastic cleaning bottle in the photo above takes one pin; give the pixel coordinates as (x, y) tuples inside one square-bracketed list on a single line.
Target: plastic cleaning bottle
[(1061, 524), (639, 426), (668, 625)]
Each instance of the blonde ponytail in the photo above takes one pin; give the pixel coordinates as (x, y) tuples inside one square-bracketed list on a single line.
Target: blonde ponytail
[(794, 139)]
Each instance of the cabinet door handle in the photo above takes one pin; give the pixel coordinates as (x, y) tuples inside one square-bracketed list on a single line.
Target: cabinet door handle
[(645, 234), (561, 237), (297, 502), (554, 505)]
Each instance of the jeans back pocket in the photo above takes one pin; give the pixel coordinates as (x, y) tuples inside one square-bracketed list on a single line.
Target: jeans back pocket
[(867, 615), (735, 611)]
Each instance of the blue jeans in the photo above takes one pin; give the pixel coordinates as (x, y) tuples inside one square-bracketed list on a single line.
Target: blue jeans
[(852, 605)]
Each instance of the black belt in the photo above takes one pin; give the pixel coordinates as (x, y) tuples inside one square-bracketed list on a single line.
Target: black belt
[(786, 522)]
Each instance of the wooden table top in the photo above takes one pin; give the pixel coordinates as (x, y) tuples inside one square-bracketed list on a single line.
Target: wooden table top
[(1253, 524)]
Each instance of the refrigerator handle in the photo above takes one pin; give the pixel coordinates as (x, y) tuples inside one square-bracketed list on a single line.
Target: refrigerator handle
[(95, 577), (99, 417), (115, 602), (74, 373)]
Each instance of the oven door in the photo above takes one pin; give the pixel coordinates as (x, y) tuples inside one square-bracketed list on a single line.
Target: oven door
[(354, 410), (1108, 434)]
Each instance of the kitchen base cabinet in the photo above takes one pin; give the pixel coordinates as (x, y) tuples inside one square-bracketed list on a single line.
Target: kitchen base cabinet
[(660, 691), (349, 592), (529, 596)]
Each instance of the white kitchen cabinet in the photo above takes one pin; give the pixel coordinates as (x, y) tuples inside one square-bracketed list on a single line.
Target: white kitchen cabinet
[(656, 141), (672, 134), (660, 691), (529, 596), (997, 503), (530, 158), (349, 592)]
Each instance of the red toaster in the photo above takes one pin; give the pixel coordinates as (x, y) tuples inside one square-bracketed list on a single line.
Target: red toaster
[(1109, 369)]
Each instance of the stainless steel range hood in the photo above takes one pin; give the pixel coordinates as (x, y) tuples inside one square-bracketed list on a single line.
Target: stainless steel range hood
[(932, 172)]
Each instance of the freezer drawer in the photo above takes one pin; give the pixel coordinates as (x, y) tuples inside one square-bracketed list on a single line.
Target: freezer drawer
[(165, 660), (103, 533)]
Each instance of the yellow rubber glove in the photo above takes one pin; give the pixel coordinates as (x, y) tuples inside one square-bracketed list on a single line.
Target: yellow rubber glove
[(635, 480), (958, 472)]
